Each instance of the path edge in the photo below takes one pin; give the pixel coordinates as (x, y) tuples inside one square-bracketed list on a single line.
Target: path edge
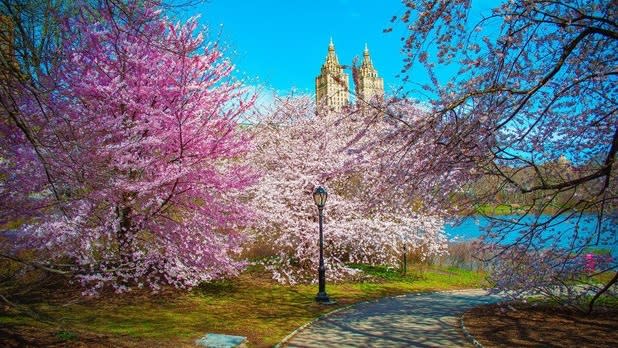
[(327, 314), (467, 333), (300, 328)]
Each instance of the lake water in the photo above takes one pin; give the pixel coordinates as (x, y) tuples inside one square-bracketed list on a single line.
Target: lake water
[(472, 228)]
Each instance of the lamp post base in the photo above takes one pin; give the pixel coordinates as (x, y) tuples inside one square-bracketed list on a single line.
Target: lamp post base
[(322, 298)]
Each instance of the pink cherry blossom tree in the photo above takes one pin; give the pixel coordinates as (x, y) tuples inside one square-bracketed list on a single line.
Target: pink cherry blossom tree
[(532, 113), (297, 151), (131, 164)]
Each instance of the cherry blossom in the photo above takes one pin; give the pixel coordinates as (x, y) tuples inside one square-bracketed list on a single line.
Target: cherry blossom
[(298, 150), (131, 166), (531, 115)]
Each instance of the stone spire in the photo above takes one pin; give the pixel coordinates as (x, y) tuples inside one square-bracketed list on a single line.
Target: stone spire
[(369, 86), (331, 86), (332, 62), (367, 68)]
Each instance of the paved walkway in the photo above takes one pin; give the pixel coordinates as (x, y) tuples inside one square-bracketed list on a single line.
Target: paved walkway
[(415, 320)]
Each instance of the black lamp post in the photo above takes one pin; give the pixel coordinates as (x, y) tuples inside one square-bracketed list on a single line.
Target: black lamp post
[(319, 197)]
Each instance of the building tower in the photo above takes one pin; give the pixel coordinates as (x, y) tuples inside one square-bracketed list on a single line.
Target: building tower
[(332, 86), (368, 84)]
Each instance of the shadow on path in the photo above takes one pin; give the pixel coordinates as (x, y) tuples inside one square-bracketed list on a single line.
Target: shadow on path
[(415, 320)]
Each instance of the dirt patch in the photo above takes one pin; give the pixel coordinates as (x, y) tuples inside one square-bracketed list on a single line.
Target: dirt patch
[(20, 336), (542, 326), (25, 336)]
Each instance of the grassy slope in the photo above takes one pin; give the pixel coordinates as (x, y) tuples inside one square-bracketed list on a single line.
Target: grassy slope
[(499, 209), (251, 305)]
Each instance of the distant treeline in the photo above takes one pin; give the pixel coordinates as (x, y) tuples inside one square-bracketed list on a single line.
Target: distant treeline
[(507, 190)]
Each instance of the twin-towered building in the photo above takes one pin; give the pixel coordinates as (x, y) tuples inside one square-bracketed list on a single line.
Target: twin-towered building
[(332, 88)]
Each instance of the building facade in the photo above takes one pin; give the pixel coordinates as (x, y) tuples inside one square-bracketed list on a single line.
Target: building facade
[(332, 88), (369, 86)]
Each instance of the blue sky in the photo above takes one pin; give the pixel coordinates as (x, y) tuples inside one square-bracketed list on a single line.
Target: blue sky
[(282, 44)]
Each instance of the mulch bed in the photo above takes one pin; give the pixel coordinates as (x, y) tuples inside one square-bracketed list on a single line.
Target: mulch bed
[(524, 325), (23, 336)]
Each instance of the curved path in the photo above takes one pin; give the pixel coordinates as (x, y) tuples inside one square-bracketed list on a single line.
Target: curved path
[(414, 320)]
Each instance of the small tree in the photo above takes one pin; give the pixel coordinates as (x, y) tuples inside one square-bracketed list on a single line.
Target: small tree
[(537, 82), (131, 165), (298, 150)]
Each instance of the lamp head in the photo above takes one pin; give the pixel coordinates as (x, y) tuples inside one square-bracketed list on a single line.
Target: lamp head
[(319, 196)]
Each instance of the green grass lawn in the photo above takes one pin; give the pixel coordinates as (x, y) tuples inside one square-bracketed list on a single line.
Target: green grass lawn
[(499, 209), (251, 305)]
